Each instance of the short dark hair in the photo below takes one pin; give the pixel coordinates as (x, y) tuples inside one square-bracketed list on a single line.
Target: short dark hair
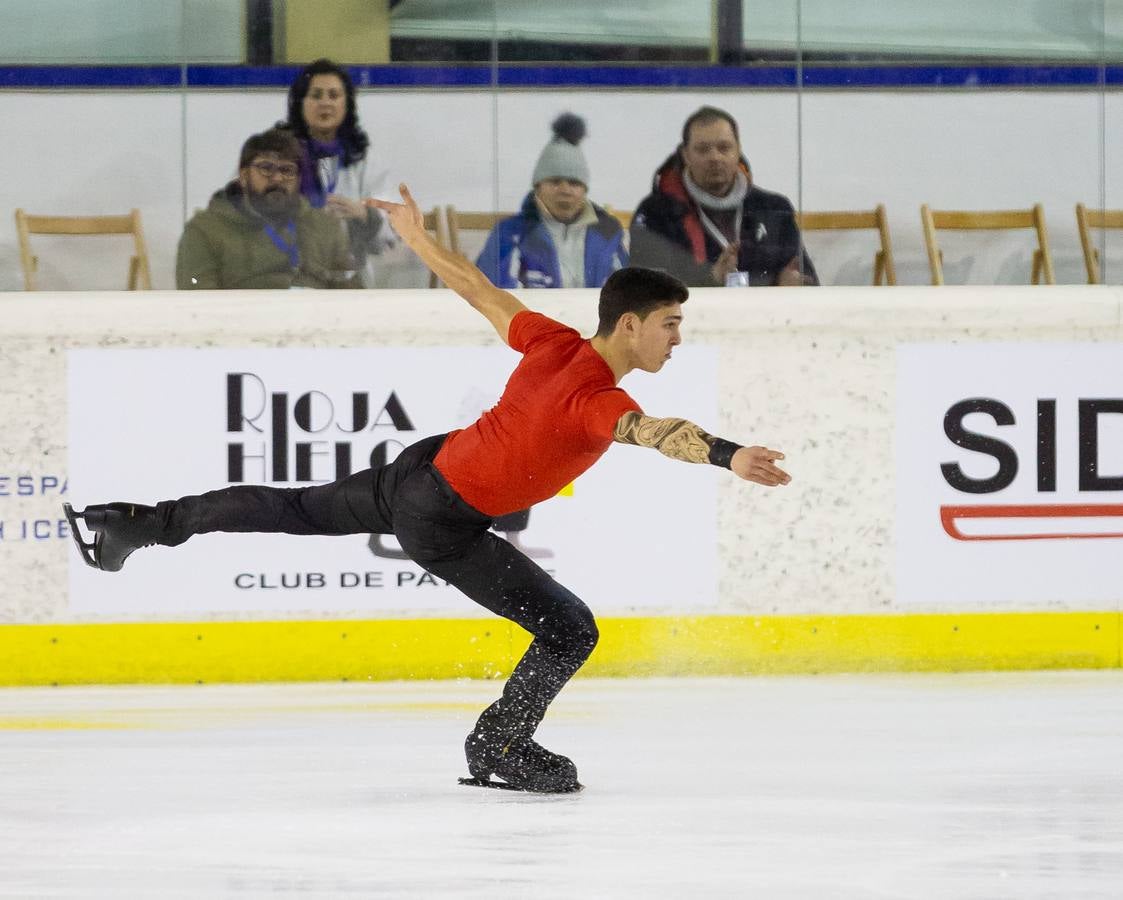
[(704, 116), (275, 140), (351, 135), (636, 290)]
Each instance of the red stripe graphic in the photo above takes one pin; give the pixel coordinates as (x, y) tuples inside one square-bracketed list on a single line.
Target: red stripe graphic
[(950, 514)]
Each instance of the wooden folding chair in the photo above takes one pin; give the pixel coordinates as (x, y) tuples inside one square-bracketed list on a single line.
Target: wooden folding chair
[(883, 266), (437, 225), (459, 221), (27, 225), (1086, 219), (623, 216), (1000, 220)]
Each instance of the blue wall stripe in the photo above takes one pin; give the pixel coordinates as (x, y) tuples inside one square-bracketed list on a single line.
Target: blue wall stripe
[(954, 76), (366, 76), (530, 76), (90, 76)]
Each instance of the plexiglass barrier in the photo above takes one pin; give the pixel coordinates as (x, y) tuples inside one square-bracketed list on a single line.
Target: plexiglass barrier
[(837, 143)]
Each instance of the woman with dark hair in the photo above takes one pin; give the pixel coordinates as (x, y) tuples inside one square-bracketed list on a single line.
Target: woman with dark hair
[(333, 170)]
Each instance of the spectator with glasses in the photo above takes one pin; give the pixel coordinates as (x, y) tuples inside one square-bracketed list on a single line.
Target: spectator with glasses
[(258, 232)]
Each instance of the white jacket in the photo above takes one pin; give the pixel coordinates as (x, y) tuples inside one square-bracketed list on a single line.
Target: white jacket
[(357, 182)]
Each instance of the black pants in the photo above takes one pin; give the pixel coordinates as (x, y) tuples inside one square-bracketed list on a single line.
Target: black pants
[(446, 536)]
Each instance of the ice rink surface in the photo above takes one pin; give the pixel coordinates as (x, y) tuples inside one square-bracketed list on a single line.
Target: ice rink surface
[(938, 786)]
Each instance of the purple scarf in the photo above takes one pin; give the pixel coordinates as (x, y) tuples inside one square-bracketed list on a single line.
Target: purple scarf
[(310, 186)]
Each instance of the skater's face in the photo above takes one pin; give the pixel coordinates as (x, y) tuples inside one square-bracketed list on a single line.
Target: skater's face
[(270, 184), (563, 197), (654, 337)]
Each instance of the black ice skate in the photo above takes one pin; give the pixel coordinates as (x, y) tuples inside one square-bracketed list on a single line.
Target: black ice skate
[(525, 766), (119, 529)]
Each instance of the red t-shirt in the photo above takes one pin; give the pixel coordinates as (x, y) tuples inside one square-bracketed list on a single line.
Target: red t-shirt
[(555, 419)]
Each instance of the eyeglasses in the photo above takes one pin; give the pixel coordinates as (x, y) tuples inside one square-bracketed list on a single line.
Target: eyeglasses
[(286, 171)]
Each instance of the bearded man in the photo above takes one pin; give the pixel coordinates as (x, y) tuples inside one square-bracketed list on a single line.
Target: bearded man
[(258, 232)]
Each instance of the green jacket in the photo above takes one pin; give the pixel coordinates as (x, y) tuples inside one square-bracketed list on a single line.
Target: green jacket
[(225, 247)]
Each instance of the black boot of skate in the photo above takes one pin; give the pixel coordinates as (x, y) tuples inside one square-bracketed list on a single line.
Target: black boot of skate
[(534, 768), (119, 529), (497, 748)]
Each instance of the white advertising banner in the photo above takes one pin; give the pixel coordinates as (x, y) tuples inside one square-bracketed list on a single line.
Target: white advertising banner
[(1009, 482), (635, 533)]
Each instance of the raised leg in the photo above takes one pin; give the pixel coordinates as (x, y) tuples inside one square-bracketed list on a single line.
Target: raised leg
[(342, 507)]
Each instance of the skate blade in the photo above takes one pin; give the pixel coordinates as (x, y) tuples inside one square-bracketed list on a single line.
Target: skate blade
[(86, 548), (504, 786)]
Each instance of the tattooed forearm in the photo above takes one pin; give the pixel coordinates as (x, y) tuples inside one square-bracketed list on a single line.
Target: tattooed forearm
[(676, 438)]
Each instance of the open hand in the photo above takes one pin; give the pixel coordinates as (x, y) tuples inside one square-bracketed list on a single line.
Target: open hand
[(405, 217), (344, 207), (756, 464), (790, 276), (725, 264)]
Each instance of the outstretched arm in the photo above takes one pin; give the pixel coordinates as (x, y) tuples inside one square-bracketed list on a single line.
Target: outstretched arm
[(455, 270), (685, 441)]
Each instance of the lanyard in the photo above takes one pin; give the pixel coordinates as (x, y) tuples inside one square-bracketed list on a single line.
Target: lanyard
[(329, 173), (289, 247), (716, 232)]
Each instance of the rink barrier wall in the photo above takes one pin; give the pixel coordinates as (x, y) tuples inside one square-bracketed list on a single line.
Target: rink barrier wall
[(354, 650), (821, 551)]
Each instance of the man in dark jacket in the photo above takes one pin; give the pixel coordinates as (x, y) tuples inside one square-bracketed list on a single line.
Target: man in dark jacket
[(258, 232), (705, 220)]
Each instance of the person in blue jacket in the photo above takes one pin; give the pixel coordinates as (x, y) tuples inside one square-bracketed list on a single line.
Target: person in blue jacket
[(560, 238)]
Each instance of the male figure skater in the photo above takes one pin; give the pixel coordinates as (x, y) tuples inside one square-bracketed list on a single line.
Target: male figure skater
[(560, 411)]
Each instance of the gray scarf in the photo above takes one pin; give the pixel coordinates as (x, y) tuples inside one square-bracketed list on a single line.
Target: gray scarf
[(733, 200)]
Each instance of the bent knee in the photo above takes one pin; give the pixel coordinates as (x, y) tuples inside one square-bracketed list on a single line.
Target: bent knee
[(573, 632), (592, 635), (583, 634)]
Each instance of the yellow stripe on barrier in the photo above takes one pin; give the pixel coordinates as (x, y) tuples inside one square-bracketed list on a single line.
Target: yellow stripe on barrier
[(8, 723), (172, 653), (350, 650), (736, 645)]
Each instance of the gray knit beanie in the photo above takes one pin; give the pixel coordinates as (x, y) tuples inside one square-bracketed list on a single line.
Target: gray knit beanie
[(562, 158)]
